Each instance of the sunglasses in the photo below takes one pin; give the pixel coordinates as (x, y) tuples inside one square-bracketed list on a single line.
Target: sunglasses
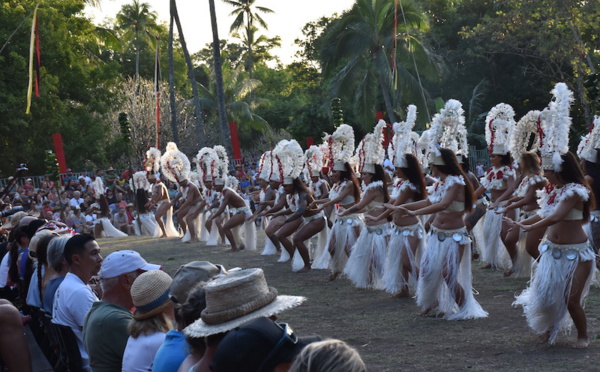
[(288, 337)]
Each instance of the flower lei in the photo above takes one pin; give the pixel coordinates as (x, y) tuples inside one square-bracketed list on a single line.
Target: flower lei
[(494, 177), (335, 190), (527, 182), (370, 186), (293, 201), (315, 187), (401, 185), (549, 200), (438, 190)]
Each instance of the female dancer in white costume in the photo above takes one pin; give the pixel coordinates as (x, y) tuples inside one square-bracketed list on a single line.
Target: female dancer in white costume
[(531, 181), (500, 181), (103, 226), (320, 190), (588, 151), (266, 199), (566, 263), (445, 279), (144, 223), (344, 193), (365, 266)]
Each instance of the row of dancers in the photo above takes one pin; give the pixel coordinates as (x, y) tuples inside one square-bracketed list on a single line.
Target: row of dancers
[(414, 232)]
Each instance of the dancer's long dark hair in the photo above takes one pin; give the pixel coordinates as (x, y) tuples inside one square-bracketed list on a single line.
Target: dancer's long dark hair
[(300, 186), (415, 176), (593, 170), (141, 199), (379, 175), (452, 168), (571, 173), (348, 175)]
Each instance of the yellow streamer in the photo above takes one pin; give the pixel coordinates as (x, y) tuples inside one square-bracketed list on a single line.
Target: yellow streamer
[(31, 49)]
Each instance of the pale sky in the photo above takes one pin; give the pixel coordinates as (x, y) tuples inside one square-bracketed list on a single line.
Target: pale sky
[(287, 21)]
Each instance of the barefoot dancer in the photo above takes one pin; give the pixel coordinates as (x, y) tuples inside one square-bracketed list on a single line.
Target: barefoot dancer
[(266, 199), (344, 193), (401, 263), (500, 181), (365, 266), (566, 263)]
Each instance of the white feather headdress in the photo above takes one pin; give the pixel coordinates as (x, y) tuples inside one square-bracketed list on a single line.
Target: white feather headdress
[(556, 121), (265, 165), (342, 146), (589, 144), (529, 125), (140, 181), (370, 150), (314, 161), (206, 161), (290, 157), (433, 140), (222, 162), (175, 164), (152, 163), (499, 123), (326, 151), (98, 187), (403, 141)]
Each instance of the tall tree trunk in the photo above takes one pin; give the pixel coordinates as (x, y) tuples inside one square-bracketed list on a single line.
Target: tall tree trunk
[(137, 56), (225, 133), (386, 98), (249, 40), (174, 128), (188, 60)]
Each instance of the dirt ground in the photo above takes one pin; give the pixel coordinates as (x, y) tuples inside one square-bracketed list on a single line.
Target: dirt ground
[(386, 331)]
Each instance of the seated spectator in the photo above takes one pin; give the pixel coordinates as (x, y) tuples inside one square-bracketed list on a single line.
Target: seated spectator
[(105, 327), (111, 198), (187, 294), (110, 179), (260, 345), (328, 356), (76, 221), (29, 185), (121, 222), (232, 300), (74, 298), (37, 251), (77, 200), (56, 260), (152, 319), (13, 344), (84, 177)]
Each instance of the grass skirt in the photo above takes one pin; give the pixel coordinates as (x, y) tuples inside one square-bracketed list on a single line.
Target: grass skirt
[(108, 230), (365, 266), (341, 239), (492, 249), (146, 225), (399, 243), (434, 289), (545, 300)]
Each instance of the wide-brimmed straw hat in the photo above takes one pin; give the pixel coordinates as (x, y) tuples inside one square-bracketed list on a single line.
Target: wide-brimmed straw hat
[(150, 294), (236, 298)]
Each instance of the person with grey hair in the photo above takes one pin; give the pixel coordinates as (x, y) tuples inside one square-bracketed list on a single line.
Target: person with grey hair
[(105, 325), (56, 260), (328, 356), (76, 200)]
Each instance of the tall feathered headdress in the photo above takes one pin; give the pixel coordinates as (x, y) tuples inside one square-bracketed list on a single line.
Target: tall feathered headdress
[(98, 187), (326, 151), (589, 144), (556, 121), (140, 181), (370, 150), (152, 162), (290, 157), (222, 164), (529, 125), (175, 164), (264, 166), (314, 161), (403, 140), (434, 139), (206, 161), (499, 124), (342, 146)]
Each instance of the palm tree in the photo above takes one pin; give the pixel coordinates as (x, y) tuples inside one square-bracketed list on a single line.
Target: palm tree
[(137, 21), (244, 18), (359, 55), (225, 133), (192, 77), (240, 103)]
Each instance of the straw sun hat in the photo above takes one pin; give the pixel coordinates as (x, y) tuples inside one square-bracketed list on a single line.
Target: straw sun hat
[(236, 298), (150, 294)]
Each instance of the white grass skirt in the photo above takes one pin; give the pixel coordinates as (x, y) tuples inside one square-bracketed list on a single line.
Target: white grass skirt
[(366, 263), (399, 243)]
